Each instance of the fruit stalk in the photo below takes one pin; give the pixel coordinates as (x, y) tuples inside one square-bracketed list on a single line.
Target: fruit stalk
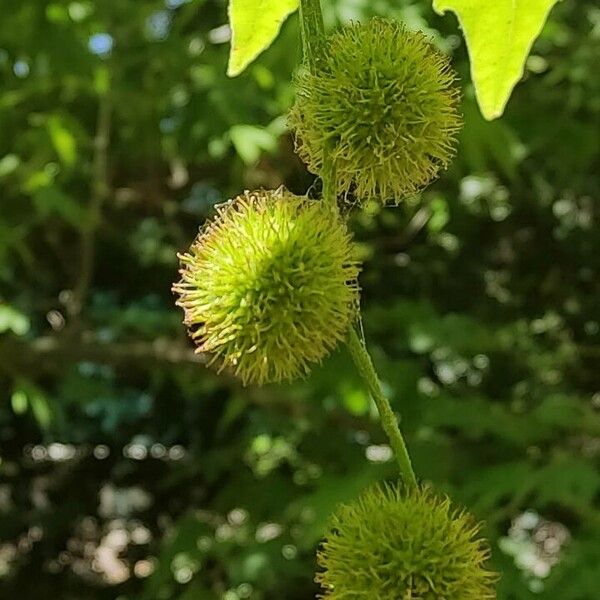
[(389, 422)]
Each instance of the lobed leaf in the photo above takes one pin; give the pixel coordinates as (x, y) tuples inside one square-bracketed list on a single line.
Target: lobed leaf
[(499, 37), (254, 26)]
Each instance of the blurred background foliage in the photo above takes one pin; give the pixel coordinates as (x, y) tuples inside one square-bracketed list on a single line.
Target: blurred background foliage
[(129, 471)]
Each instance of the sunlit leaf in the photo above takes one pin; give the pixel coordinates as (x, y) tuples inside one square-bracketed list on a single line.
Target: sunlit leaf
[(19, 402), (27, 394), (499, 37), (8, 164), (249, 142), (254, 26), (13, 320), (62, 140)]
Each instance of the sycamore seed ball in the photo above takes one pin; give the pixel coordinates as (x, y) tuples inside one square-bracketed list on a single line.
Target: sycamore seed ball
[(269, 287), (397, 544), (383, 102)]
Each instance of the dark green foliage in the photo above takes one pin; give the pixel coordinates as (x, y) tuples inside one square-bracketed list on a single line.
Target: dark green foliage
[(481, 305)]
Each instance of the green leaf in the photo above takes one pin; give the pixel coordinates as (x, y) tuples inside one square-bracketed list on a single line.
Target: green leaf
[(254, 26), (19, 402), (440, 214), (355, 399), (8, 164), (40, 407), (62, 140), (250, 141), (499, 37), (52, 200), (28, 394), (13, 320)]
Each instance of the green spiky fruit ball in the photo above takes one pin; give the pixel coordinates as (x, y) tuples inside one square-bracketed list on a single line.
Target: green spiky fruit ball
[(383, 102), (402, 544), (269, 287)]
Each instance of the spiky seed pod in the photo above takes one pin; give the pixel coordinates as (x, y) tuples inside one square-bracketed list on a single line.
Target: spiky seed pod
[(269, 286), (398, 544), (384, 102)]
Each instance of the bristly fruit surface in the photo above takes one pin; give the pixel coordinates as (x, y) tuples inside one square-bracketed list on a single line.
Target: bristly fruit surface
[(403, 544), (383, 102), (269, 286)]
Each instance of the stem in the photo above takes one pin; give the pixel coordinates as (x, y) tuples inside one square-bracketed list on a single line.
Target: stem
[(99, 193), (311, 19), (364, 365), (312, 28)]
